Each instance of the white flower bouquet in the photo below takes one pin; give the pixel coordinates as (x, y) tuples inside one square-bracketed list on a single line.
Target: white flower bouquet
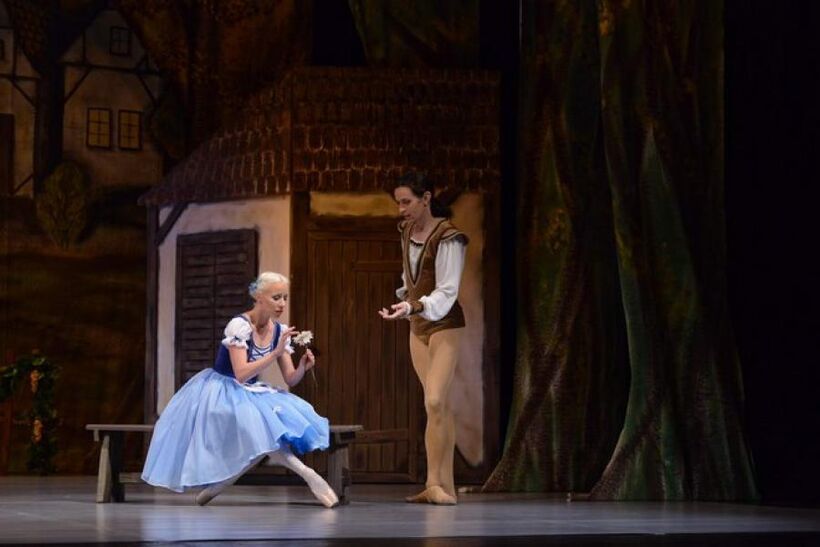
[(303, 339)]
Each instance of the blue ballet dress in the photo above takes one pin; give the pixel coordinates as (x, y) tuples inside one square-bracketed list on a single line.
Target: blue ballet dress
[(215, 426)]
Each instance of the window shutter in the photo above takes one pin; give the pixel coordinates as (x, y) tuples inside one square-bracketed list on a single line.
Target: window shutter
[(213, 272)]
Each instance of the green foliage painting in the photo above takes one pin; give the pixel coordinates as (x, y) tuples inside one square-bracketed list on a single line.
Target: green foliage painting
[(62, 207), (40, 376)]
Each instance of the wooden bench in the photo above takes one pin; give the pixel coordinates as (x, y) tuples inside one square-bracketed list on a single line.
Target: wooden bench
[(111, 478)]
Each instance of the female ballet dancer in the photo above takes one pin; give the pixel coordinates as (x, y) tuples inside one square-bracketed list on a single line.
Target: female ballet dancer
[(223, 422)]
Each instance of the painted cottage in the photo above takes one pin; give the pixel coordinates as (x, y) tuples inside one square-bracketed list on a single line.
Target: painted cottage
[(111, 86), (297, 185)]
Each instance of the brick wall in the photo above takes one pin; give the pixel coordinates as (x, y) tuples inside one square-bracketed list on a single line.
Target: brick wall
[(348, 129)]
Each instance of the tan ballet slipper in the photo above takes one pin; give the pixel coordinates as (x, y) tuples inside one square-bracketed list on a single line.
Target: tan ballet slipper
[(434, 495)]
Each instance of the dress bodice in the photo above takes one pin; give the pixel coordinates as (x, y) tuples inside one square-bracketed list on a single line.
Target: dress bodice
[(223, 365)]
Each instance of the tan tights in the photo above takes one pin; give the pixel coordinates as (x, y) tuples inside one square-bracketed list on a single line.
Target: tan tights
[(435, 364)]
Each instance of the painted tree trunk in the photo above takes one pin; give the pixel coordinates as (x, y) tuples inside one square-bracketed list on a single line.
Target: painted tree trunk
[(216, 54), (662, 82), (621, 130), (571, 375), (426, 33), (45, 38), (48, 124)]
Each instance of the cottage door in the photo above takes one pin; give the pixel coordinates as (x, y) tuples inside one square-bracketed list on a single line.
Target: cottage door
[(6, 154), (348, 270)]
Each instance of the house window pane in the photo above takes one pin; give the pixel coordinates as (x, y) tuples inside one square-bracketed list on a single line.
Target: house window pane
[(130, 130), (98, 132), (120, 41)]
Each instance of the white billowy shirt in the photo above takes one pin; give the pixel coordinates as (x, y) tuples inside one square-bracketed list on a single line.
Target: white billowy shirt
[(449, 265)]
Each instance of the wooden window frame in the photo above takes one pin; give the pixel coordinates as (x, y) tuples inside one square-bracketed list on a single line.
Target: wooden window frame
[(88, 122), (120, 132), (111, 41)]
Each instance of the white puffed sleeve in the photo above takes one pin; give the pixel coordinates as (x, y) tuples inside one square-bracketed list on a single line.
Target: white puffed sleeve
[(237, 333), (288, 346), (401, 292), (449, 265)]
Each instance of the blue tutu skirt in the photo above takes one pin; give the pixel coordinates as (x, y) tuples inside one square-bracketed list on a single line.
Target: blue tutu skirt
[(214, 427)]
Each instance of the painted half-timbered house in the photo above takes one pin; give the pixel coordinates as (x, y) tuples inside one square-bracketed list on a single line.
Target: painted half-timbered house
[(111, 86)]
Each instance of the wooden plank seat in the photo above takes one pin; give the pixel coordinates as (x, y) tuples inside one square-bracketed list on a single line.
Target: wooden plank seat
[(111, 478)]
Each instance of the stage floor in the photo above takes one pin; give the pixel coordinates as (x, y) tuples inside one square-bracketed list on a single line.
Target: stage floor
[(62, 510)]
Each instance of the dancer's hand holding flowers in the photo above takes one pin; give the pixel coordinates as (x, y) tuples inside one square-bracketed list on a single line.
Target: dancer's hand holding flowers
[(282, 344), (307, 361)]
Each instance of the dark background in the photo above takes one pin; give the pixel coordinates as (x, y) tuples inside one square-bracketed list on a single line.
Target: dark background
[(772, 147)]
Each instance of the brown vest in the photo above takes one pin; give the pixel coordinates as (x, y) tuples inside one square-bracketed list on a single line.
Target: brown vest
[(425, 282)]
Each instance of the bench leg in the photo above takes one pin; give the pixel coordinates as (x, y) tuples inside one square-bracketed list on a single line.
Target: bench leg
[(117, 489), (338, 472), (109, 487), (104, 473)]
